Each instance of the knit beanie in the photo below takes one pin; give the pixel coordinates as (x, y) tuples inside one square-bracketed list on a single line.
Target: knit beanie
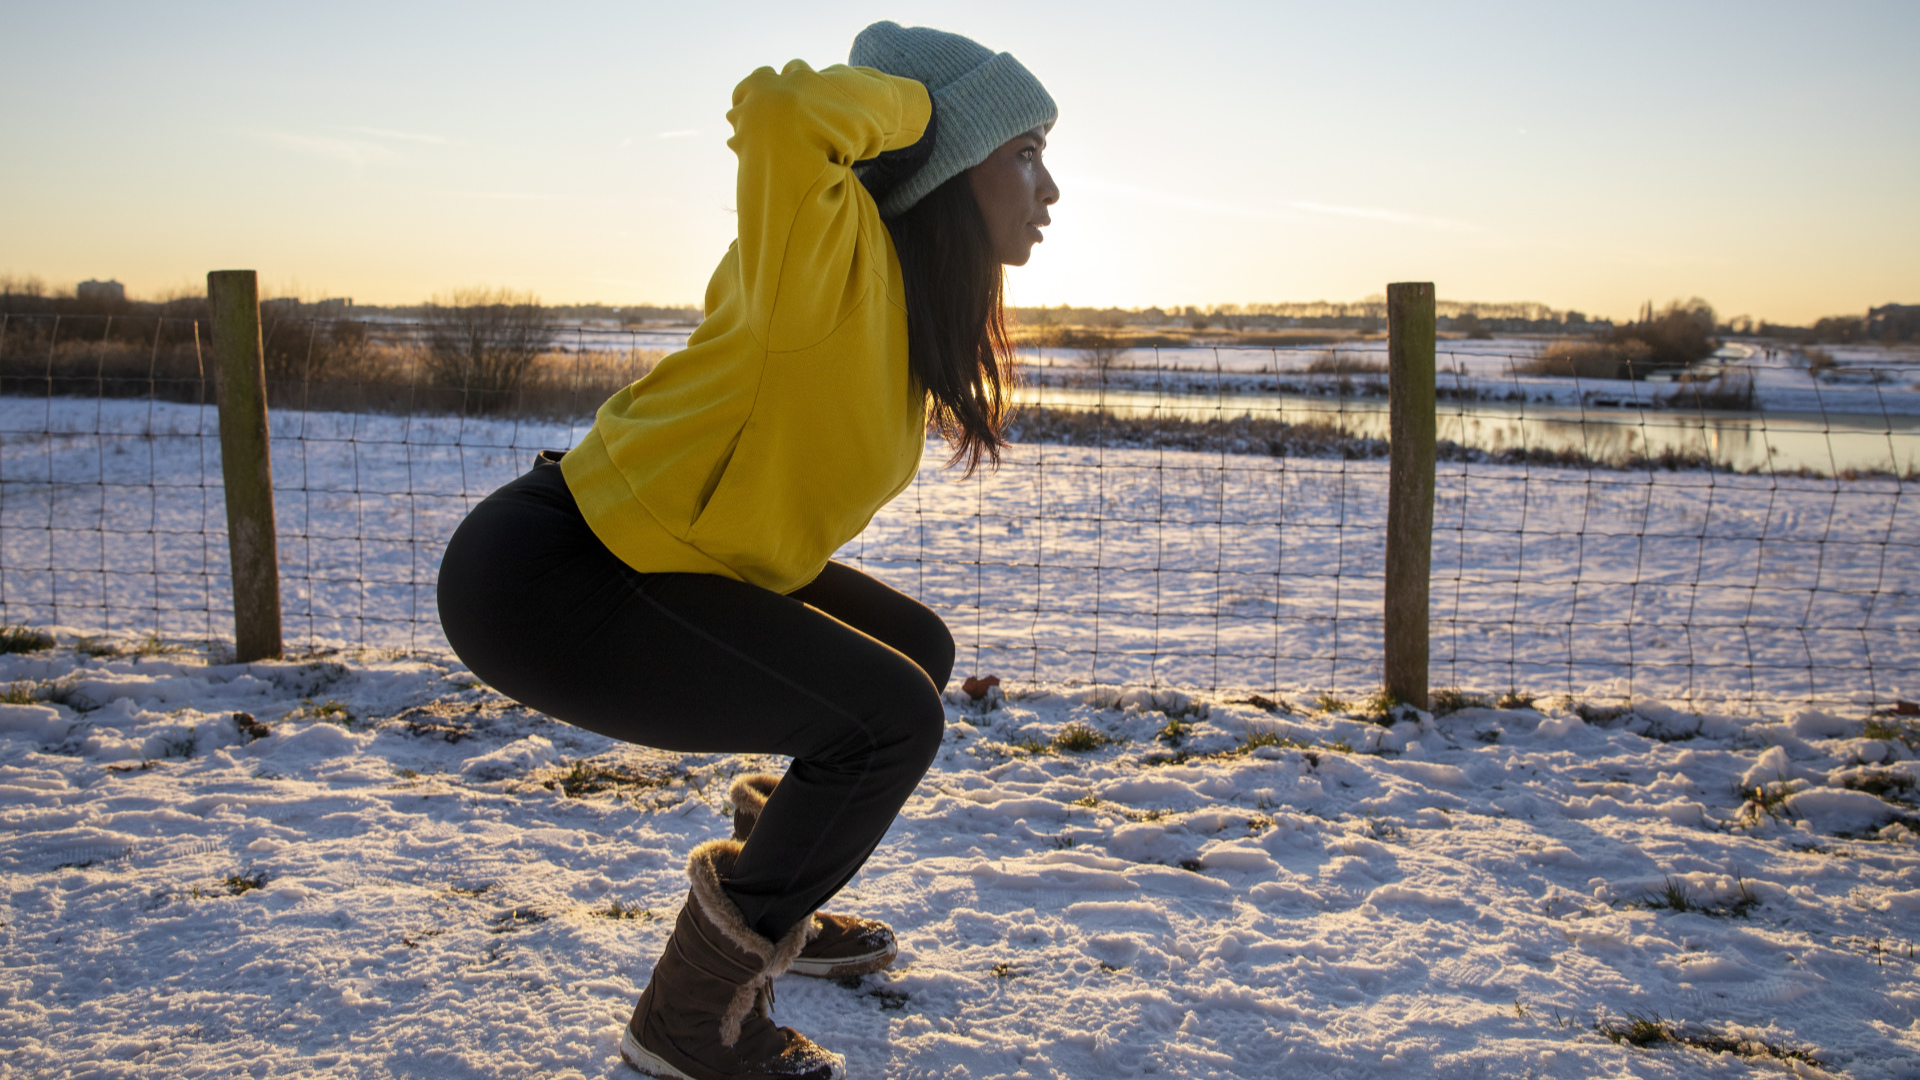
[(981, 99)]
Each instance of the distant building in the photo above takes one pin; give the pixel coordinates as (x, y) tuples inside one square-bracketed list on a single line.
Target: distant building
[(287, 307), (111, 292), (1893, 322)]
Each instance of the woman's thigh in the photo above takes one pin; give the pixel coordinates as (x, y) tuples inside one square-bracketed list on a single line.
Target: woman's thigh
[(885, 613), (539, 609)]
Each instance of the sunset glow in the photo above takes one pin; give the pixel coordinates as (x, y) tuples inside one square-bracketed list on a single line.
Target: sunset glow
[(1758, 155)]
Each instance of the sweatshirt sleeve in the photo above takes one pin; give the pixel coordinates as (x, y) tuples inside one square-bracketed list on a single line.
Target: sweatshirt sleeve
[(797, 133)]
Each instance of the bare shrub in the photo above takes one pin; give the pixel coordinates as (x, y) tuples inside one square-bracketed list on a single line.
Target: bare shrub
[(1820, 362), (1589, 360), (1675, 336), (483, 341), (139, 359), (1469, 325), (1291, 337), (1100, 351), (298, 347), (566, 385), (1729, 390), (1332, 363)]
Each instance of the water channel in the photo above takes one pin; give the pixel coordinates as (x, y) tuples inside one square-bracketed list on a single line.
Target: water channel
[(1743, 441)]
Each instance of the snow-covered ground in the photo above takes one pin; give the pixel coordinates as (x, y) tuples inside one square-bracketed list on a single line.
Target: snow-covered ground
[(392, 880), (1195, 882), (1088, 564)]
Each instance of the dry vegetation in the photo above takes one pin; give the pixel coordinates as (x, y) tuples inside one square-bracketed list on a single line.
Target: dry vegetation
[(324, 364), (1311, 439), (1729, 391), (1668, 340), (1337, 364), (1587, 360), (1028, 336)]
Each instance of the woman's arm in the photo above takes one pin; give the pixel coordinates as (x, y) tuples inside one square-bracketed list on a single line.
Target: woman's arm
[(797, 133)]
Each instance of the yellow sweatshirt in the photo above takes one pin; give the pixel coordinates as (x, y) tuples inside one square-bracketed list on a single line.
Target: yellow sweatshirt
[(791, 416)]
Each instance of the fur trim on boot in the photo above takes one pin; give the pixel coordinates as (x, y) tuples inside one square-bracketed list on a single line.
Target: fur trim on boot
[(706, 1013), (749, 796)]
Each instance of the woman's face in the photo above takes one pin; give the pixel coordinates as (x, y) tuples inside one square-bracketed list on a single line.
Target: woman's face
[(1014, 190)]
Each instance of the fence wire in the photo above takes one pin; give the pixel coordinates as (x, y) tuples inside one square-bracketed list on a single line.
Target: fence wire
[(1207, 518)]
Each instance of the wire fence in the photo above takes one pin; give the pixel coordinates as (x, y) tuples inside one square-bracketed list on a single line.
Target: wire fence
[(1208, 518)]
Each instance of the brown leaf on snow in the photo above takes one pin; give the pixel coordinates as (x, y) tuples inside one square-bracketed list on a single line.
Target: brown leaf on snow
[(977, 687)]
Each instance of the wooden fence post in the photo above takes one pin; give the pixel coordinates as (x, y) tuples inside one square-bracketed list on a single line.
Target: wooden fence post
[(1411, 433), (245, 465)]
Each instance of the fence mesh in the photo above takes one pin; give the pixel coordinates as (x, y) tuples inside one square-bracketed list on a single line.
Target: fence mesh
[(1208, 518)]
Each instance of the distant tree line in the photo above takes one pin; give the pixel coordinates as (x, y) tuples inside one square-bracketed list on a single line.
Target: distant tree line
[(623, 315), (1890, 324), (1474, 319), (487, 351), (29, 295)]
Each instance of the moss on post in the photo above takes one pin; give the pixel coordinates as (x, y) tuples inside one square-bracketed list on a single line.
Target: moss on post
[(1411, 437), (245, 465)]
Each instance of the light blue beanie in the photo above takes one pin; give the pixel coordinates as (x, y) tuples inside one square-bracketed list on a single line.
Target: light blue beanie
[(982, 99)]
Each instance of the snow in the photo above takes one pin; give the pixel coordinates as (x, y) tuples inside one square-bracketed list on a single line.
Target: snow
[(1840, 811), (396, 880), (1102, 566), (386, 884)]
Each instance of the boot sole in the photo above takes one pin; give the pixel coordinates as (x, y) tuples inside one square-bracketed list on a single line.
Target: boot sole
[(642, 1059), (639, 1057), (845, 966)]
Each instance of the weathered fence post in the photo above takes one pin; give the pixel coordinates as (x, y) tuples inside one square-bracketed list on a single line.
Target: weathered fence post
[(1411, 432), (247, 470)]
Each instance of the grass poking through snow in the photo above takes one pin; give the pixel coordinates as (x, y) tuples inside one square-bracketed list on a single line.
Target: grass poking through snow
[(21, 639), (584, 778), (617, 910), (1452, 699), (1890, 730), (1675, 897), (1078, 738), (1649, 1030)]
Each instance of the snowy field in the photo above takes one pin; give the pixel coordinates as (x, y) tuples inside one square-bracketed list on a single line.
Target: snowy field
[(393, 872), (1071, 564), (388, 870)]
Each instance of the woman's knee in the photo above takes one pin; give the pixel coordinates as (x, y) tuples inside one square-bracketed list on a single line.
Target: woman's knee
[(904, 724), (928, 724), (929, 644), (938, 649)]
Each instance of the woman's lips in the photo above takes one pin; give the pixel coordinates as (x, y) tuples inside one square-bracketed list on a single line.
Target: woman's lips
[(1035, 230)]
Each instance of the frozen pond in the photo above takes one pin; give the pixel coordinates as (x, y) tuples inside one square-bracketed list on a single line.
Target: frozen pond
[(1740, 441)]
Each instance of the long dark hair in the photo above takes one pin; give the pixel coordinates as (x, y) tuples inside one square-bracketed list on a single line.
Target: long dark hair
[(956, 327)]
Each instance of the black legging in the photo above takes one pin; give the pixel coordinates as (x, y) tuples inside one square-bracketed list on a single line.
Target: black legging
[(843, 676)]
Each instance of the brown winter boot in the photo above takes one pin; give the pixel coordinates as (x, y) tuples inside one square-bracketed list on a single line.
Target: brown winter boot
[(706, 1012), (842, 946)]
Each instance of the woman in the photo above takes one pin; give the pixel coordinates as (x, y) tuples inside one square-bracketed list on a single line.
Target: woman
[(669, 582)]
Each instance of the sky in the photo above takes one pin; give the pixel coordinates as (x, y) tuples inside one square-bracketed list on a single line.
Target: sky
[(1760, 155)]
